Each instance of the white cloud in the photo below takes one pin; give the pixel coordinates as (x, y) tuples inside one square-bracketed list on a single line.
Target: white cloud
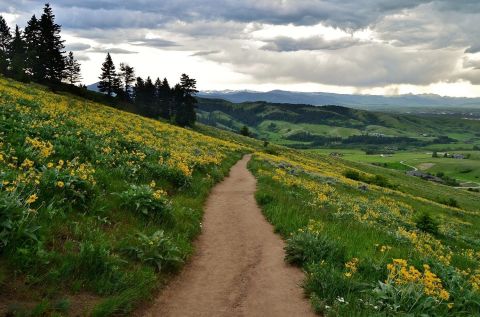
[(353, 45)]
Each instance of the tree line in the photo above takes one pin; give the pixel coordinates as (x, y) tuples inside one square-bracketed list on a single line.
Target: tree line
[(38, 54), (154, 99)]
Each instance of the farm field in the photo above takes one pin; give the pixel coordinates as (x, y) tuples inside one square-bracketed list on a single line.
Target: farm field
[(465, 170)]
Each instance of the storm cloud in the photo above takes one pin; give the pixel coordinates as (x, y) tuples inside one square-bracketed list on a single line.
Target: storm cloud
[(357, 43)]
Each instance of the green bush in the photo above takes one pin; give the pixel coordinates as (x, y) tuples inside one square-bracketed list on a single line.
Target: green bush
[(157, 250), (305, 247), (352, 175), (17, 227), (452, 202), (147, 202), (330, 289), (264, 199), (427, 224), (65, 189)]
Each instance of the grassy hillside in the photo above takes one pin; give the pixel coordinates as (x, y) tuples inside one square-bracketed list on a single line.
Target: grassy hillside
[(97, 206), (308, 126), (98, 209), (386, 244)]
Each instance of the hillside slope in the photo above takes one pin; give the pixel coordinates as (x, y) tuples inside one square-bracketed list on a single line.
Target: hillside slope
[(373, 242), (313, 126), (97, 206)]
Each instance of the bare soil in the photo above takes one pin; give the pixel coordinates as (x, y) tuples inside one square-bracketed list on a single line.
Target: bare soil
[(238, 268)]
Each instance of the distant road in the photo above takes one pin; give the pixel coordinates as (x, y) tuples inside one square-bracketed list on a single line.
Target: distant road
[(405, 164)]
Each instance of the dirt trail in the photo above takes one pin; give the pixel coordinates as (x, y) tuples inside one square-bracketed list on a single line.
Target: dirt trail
[(238, 269)]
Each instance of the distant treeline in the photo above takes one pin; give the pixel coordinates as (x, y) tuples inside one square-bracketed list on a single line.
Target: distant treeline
[(37, 54), (150, 99), (320, 140)]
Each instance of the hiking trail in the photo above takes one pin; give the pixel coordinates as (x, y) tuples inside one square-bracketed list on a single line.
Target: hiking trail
[(238, 268)]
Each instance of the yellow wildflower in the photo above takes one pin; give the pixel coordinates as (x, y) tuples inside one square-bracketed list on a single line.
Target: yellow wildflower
[(31, 199)]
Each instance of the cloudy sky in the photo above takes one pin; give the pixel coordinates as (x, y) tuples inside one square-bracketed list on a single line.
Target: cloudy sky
[(348, 46)]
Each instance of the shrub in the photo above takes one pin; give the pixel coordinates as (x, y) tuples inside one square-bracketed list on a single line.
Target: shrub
[(306, 247), (97, 266), (352, 175), (328, 286), (427, 224), (264, 199), (157, 250), (63, 187), (152, 204), (452, 202), (17, 227)]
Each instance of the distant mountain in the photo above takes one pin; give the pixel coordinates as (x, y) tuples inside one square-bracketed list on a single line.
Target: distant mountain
[(400, 102), (93, 87)]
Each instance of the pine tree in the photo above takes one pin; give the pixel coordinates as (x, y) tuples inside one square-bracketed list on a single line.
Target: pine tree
[(149, 106), (33, 40), (72, 70), (245, 131), (165, 98), (5, 40), (127, 73), (139, 92), (185, 112), (51, 49), (17, 56), (108, 78)]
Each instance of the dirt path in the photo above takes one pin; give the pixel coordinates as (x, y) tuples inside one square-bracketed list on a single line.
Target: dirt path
[(238, 269), (405, 164)]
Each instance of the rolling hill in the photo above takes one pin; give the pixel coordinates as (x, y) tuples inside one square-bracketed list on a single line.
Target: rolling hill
[(311, 126), (99, 208), (401, 103)]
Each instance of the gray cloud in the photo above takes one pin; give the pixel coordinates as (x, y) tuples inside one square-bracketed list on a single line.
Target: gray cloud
[(205, 53), (112, 50), (288, 44), (362, 66), (153, 42), (414, 42), (469, 63), (142, 13), (77, 46)]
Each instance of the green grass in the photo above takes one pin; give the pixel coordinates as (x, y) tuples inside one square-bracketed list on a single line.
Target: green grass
[(323, 238), (465, 170), (91, 201), (98, 229)]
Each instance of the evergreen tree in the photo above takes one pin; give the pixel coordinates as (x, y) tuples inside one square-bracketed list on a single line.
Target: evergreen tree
[(149, 106), (185, 106), (51, 52), (72, 70), (158, 102), (5, 40), (33, 41), (165, 99), (245, 131), (139, 92), (127, 73), (17, 56), (108, 79)]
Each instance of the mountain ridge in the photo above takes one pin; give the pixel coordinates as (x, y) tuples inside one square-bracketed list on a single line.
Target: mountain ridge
[(396, 102)]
